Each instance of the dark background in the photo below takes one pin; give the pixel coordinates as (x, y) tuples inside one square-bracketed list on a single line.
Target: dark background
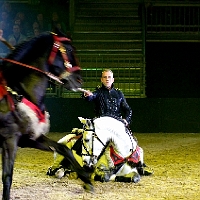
[(150, 115), (172, 103), (172, 70), (172, 86)]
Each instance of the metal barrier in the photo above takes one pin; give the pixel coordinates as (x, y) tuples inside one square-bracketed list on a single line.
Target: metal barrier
[(173, 21), (129, 74)]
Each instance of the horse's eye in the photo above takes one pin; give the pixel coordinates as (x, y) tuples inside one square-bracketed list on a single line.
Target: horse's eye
[(86, 140)]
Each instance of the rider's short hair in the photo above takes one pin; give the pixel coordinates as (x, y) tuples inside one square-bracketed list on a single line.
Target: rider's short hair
[(107, 70)]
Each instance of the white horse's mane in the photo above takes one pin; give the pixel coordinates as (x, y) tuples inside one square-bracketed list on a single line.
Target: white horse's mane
[(110, 129)]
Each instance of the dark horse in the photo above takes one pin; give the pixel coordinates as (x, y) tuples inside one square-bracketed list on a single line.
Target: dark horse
[(24, 76)]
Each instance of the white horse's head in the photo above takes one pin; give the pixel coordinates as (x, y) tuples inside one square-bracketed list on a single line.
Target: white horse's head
[(89, 159)]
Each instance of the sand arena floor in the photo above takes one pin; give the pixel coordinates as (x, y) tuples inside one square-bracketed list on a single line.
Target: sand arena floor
[(175, 159)]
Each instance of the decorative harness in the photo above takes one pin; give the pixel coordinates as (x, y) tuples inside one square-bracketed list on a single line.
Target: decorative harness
[(93, 135), (116, 158), (57, 46)]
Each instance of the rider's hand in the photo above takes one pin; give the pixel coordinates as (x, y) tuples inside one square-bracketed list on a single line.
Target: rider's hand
[(88, 93)]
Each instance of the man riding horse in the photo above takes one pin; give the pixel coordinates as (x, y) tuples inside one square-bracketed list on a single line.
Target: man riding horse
[(110, 102)]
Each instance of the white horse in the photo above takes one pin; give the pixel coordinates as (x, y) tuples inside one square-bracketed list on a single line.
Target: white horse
[(104, 146), (107, 136)]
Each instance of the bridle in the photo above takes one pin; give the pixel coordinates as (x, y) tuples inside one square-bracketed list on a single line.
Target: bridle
[(57, 46), (94, 135)]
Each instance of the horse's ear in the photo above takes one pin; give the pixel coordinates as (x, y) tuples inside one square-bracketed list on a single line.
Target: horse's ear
[(74, 130), (59, 32), (82, 120)]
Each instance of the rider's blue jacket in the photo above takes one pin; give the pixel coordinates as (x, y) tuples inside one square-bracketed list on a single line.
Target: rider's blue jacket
[(110, 103)]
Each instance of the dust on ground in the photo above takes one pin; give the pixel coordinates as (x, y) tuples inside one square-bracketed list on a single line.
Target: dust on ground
[(173, 157)]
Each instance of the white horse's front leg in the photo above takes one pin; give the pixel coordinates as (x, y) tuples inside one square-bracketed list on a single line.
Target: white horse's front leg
[(126, 169), (123, 171), (126, 174), (141, 155)]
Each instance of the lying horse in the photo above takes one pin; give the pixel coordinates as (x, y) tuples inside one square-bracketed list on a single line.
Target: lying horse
[(114, 156), (105, 135), (24, 76)]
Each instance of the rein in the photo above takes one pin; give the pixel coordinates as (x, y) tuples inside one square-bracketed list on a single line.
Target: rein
[(94, 135), (129, 132), (88, 153), (50, 75)]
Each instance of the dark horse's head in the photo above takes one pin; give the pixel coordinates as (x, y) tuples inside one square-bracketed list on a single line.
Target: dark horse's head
[(61, 53), (29, 67)]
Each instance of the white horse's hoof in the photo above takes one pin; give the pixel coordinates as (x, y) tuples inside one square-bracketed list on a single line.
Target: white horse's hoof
[(60, 173), (136, 178)]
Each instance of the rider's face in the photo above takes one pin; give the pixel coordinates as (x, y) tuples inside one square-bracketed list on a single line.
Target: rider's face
[(107, 79)]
